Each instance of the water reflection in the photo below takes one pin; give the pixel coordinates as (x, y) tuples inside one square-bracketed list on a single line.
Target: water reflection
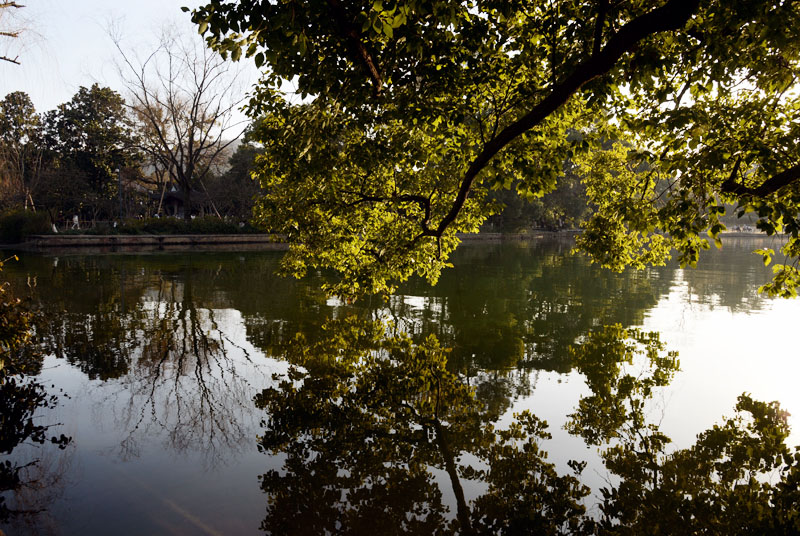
[(524, 304), (364, 418), (525, 308), (29, 479), (178, 379), (393, 415), (505, 306)]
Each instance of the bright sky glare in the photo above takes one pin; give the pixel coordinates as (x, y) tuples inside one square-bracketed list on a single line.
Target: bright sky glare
[(67, 44)]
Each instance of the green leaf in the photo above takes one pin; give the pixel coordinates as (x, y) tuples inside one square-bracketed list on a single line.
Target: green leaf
[(649, 171)]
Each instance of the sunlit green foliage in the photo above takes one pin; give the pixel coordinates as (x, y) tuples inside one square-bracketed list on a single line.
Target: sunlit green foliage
[(414, 109), (345, 203), (621, 232)]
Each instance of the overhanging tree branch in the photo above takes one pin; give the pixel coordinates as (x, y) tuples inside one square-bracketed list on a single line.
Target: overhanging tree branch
[(671, 16), (602, 10), (354, 38), (769, 186)]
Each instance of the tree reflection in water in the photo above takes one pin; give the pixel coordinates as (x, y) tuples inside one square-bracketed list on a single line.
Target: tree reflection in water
[(381, 431), (366, 419), (25, 487), (183, 384), (171, 373)]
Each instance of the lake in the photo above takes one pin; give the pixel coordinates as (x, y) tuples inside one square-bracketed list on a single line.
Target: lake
[(203, 394)]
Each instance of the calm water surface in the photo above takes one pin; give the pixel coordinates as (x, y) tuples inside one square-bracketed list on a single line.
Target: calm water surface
[(202, 395)]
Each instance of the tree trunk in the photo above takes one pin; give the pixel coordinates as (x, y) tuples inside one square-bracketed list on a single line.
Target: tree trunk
[(187, 204), (462, 510)]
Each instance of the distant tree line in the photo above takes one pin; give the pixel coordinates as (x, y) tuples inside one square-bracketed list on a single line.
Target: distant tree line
[(98, 157), (93, 157), (566, 207)]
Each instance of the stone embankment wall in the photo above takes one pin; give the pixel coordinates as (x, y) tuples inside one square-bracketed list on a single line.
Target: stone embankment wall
[(95, 243)]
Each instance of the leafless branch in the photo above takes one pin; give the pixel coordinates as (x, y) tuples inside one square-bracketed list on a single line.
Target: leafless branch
[(13, 34), (183, 97)]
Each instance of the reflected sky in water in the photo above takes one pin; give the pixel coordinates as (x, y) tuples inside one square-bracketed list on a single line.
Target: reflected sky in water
[(726, 350), (161, 356)]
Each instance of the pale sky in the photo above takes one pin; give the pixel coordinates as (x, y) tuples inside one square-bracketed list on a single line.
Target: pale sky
[(67, 44)]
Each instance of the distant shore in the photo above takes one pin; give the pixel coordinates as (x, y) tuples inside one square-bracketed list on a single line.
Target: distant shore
[(74, 243)]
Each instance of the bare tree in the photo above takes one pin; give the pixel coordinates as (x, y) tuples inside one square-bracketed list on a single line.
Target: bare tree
[(183, 99), (5, 9)]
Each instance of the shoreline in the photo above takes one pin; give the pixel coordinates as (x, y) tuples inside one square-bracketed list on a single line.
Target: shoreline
[(60, 244)]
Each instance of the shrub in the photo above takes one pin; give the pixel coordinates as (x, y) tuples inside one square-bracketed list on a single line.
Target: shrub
[(204, 225), (17, 225)]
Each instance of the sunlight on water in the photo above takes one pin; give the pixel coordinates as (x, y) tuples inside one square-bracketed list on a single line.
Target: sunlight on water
[(725, 353)]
